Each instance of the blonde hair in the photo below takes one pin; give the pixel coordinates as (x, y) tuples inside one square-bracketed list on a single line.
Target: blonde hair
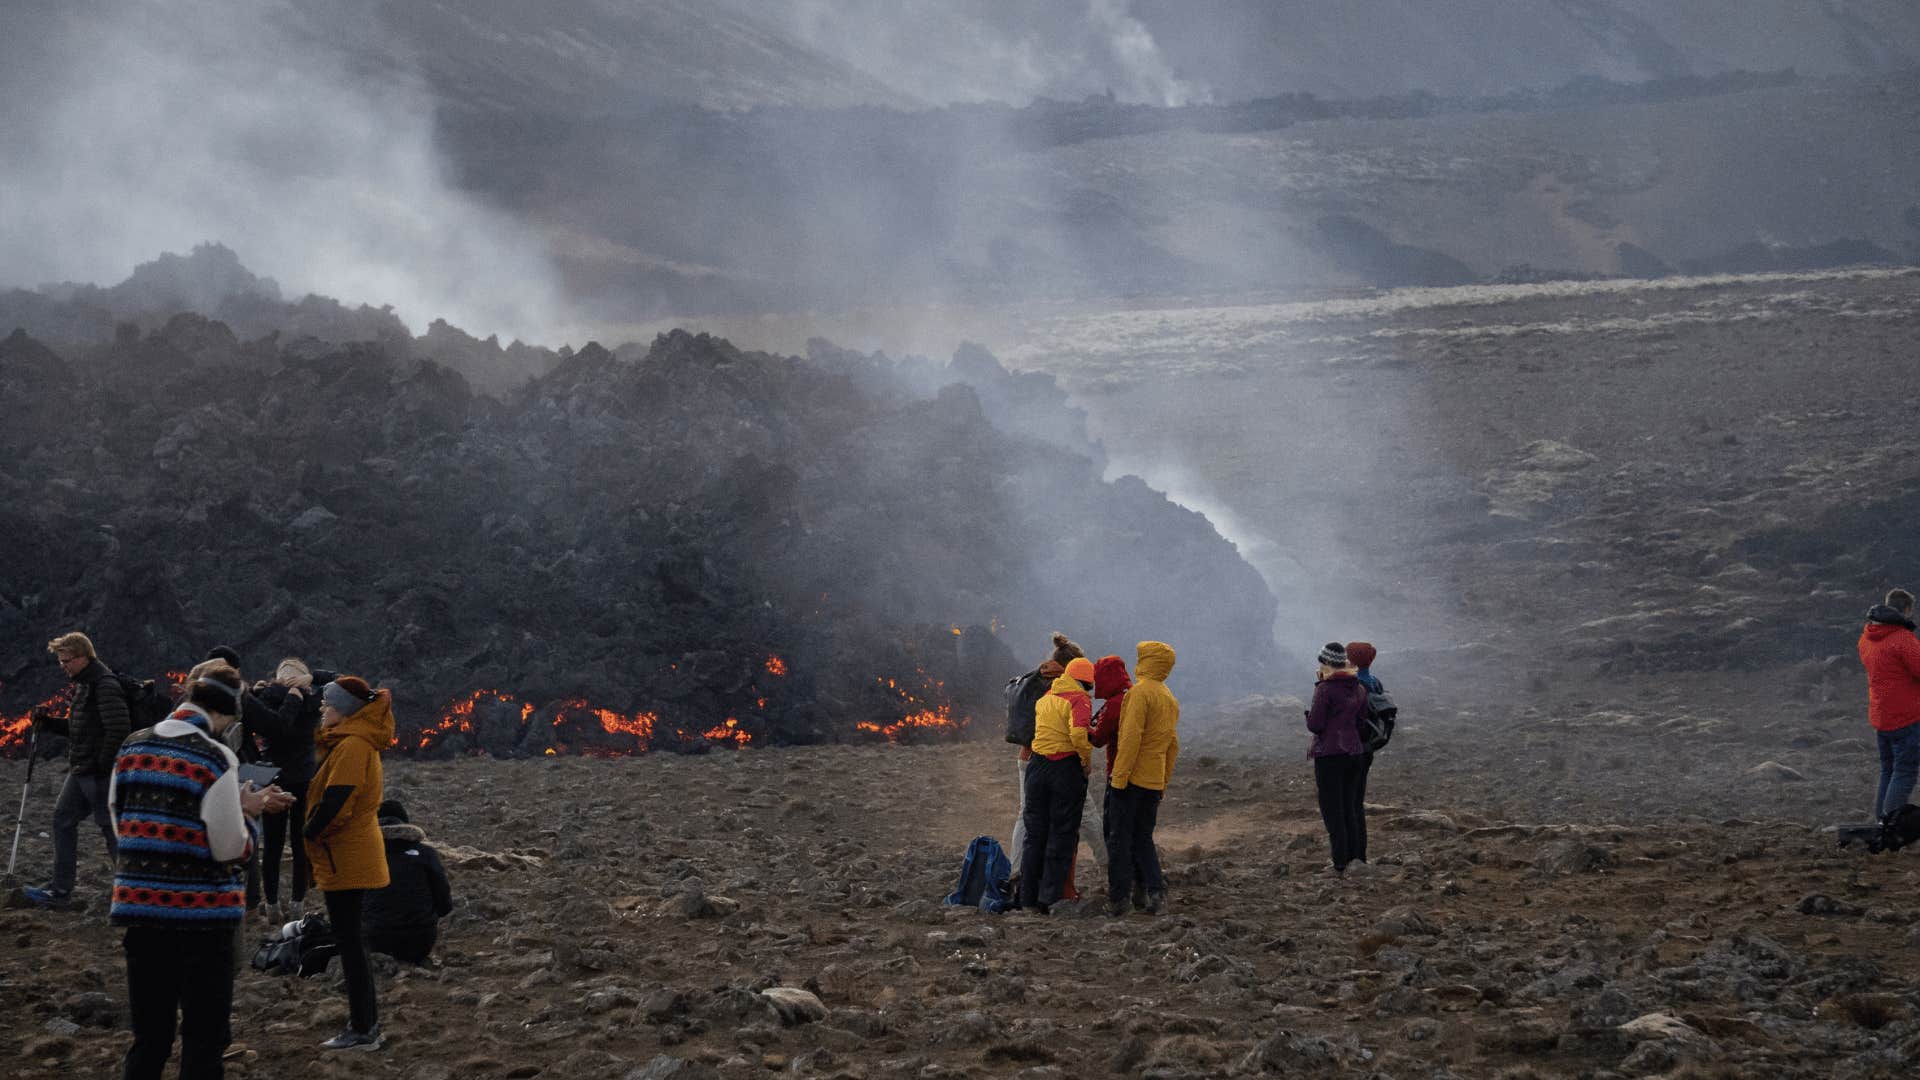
[(301, 674), (74, 642)]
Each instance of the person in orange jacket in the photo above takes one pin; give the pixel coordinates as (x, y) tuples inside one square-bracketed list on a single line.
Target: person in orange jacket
[(1057, 785), (1891, 655), (344, 844)]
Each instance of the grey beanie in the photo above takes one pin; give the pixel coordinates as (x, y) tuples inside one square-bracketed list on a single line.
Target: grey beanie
[(1334, 655), (341, 699)]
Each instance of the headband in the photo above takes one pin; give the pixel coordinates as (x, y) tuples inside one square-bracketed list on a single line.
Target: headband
[(342, 699), (232, 692)]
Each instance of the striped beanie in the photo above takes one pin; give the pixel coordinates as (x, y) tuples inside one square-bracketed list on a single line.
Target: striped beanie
[(1334, 655)]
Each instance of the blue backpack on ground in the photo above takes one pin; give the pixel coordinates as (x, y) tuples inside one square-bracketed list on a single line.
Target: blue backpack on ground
[(983, 877)]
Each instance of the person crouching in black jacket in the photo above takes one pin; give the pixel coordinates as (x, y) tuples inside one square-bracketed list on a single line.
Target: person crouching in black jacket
[(402, 920)]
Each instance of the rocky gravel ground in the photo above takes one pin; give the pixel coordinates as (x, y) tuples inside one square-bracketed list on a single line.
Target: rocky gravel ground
[(760, 911)]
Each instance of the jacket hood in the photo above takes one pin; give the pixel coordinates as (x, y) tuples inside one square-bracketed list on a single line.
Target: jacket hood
[(1064, 686), (1156, 660), (374, 723), (1882, 615), (403, 832), (1110, 677)]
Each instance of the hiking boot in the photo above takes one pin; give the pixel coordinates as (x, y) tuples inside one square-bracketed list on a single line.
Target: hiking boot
[(354, 1040), (1156, 902), (1139, 896), (48, 900), (1115, 909)]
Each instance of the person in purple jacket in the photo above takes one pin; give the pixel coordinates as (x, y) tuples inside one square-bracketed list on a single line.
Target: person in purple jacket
[(1339, 756)]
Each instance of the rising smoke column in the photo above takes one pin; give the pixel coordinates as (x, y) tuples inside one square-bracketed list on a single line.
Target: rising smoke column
[(139, 126)]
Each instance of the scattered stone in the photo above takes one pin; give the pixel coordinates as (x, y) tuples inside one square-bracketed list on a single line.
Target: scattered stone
[(1401, 922), (1573, 856), (667, 1067), (1822, 904), (794, 1005), (1290, 1054), (1128, 1055), (1774, 771), (1610, 1008)]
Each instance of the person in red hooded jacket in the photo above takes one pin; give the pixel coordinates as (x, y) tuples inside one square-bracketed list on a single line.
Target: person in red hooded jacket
[(1110, 684), (1891, 655)]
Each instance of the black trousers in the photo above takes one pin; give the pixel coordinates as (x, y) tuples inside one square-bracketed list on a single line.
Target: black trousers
[(183, 978), (1056, 793), (275, 828), (343, 915), (1131, 857), (1341, 782), (406, 946)]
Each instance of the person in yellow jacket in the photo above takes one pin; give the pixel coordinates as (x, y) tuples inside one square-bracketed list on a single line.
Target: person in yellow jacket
[(1056, 785), (1145, 749), (342, 833)]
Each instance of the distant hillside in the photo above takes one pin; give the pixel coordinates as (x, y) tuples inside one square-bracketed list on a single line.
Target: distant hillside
[(1359, 48)]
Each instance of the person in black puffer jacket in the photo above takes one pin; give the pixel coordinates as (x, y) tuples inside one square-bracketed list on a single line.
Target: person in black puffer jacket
[(403, 919), (292, 714), (97, 722)]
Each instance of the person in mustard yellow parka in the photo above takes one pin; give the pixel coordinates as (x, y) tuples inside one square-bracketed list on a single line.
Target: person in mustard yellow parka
[(344, 845), (1057, 785), (1145, 749)]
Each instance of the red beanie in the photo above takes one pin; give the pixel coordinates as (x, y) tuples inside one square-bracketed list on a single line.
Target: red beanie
[(1361, 654)]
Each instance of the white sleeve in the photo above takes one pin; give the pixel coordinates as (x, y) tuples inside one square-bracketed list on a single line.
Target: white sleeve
[(228, 838)]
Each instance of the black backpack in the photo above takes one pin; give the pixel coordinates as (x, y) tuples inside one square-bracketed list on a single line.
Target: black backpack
[(1376, 725), (1023, 693), (303, 948), (147, 704), (1901, 829)]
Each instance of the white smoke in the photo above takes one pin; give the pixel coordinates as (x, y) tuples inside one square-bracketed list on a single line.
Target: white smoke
[(154, 125), (1009, 51)]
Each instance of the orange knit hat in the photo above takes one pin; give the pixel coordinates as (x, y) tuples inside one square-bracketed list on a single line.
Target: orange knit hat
[(1080, 669)]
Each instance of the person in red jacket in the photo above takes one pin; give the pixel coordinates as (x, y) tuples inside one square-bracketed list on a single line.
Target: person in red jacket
[(1891, 655)]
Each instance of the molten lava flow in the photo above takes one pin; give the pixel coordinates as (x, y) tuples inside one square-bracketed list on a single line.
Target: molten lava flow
[(16, 732), (729, 732), (940, 718), (458, 717), (926, 715), (776, 666)]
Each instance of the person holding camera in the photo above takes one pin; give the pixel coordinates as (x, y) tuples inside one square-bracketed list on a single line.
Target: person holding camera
[(293, 703), (186, 832), (96, 722)]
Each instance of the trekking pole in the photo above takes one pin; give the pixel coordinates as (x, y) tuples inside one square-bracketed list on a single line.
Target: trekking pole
[(33, 746)]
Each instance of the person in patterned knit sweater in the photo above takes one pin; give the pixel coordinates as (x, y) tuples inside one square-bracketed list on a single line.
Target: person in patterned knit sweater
[(182, 819)]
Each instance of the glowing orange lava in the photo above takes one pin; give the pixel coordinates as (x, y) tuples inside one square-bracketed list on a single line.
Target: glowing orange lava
[(925, 715), (729, 732), (776, 666), (17, 731)]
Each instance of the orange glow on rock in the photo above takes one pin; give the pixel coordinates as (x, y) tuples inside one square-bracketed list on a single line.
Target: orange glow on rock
[(16, 732), (729, 731), (776, 666)]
